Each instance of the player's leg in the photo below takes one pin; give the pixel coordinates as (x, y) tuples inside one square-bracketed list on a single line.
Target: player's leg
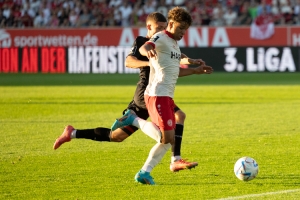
[(177, 163), (140, 122), (121, 134), (124, 132), (158, 151), (155, 155), (179, 118), (97, 134), (165, 119), (130, 118)]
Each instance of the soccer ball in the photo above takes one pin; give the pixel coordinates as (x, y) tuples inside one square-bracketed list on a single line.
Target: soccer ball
[(246, 169)]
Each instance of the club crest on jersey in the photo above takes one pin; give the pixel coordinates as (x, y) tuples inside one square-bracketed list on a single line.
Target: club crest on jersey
[(154, 39), (175, 55), (170, 123)]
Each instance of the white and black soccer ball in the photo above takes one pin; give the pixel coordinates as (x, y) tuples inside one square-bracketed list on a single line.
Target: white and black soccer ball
[(246, 169)]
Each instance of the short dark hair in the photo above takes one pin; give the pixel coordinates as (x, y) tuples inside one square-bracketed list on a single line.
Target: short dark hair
[(180, 15), (157, 17)]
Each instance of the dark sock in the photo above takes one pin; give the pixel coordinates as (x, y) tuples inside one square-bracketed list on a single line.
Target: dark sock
[(178, 138), (98, 134)]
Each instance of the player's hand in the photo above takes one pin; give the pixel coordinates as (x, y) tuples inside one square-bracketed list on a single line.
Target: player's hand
[(203, 69), (198, 62)]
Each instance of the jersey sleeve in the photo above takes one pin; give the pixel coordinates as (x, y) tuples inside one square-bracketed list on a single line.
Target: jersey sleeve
[(134, 51), (156, 41)]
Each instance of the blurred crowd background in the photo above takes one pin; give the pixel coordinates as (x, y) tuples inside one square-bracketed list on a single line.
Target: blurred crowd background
[(124, 13)]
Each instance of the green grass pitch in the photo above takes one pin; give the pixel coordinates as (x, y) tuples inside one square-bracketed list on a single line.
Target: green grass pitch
[(229, 115)]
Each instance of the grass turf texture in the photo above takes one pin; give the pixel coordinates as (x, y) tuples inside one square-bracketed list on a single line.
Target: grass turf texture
[(229, 115)]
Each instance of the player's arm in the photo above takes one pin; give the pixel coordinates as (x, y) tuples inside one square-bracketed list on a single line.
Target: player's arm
[(133, 62), (148, 50), (189, 61), (186, 71), (203, 69)]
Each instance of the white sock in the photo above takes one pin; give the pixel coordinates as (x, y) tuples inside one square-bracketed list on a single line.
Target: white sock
[(156, 154), (73, 134), (175, 158), (149, 128)]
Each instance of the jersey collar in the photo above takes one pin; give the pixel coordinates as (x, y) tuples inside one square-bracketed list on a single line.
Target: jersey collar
[(169, 34)]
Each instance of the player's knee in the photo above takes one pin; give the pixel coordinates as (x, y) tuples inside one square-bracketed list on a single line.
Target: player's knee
[(167, 139), (118, 136), (180, 116), (116, 139)]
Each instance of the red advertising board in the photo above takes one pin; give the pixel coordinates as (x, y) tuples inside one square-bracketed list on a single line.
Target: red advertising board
[(111, 59), (33, 60), (103, 50), (195, 37)]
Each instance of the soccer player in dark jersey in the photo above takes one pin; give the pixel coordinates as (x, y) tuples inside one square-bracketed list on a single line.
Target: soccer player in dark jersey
[(155, 22)]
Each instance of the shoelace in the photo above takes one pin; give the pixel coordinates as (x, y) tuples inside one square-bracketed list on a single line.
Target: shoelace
[(183, 161)]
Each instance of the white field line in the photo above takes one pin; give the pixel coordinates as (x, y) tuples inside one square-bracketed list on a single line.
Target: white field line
[(260, 195)]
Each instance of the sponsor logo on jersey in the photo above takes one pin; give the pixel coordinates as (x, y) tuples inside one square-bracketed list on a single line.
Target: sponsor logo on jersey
[(175, 55)]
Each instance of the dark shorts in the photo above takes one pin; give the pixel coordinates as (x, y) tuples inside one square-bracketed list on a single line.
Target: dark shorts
[(140, 112)]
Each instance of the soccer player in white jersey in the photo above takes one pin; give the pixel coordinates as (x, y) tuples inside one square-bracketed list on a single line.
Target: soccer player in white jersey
[(165, 56), (155, 22)]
